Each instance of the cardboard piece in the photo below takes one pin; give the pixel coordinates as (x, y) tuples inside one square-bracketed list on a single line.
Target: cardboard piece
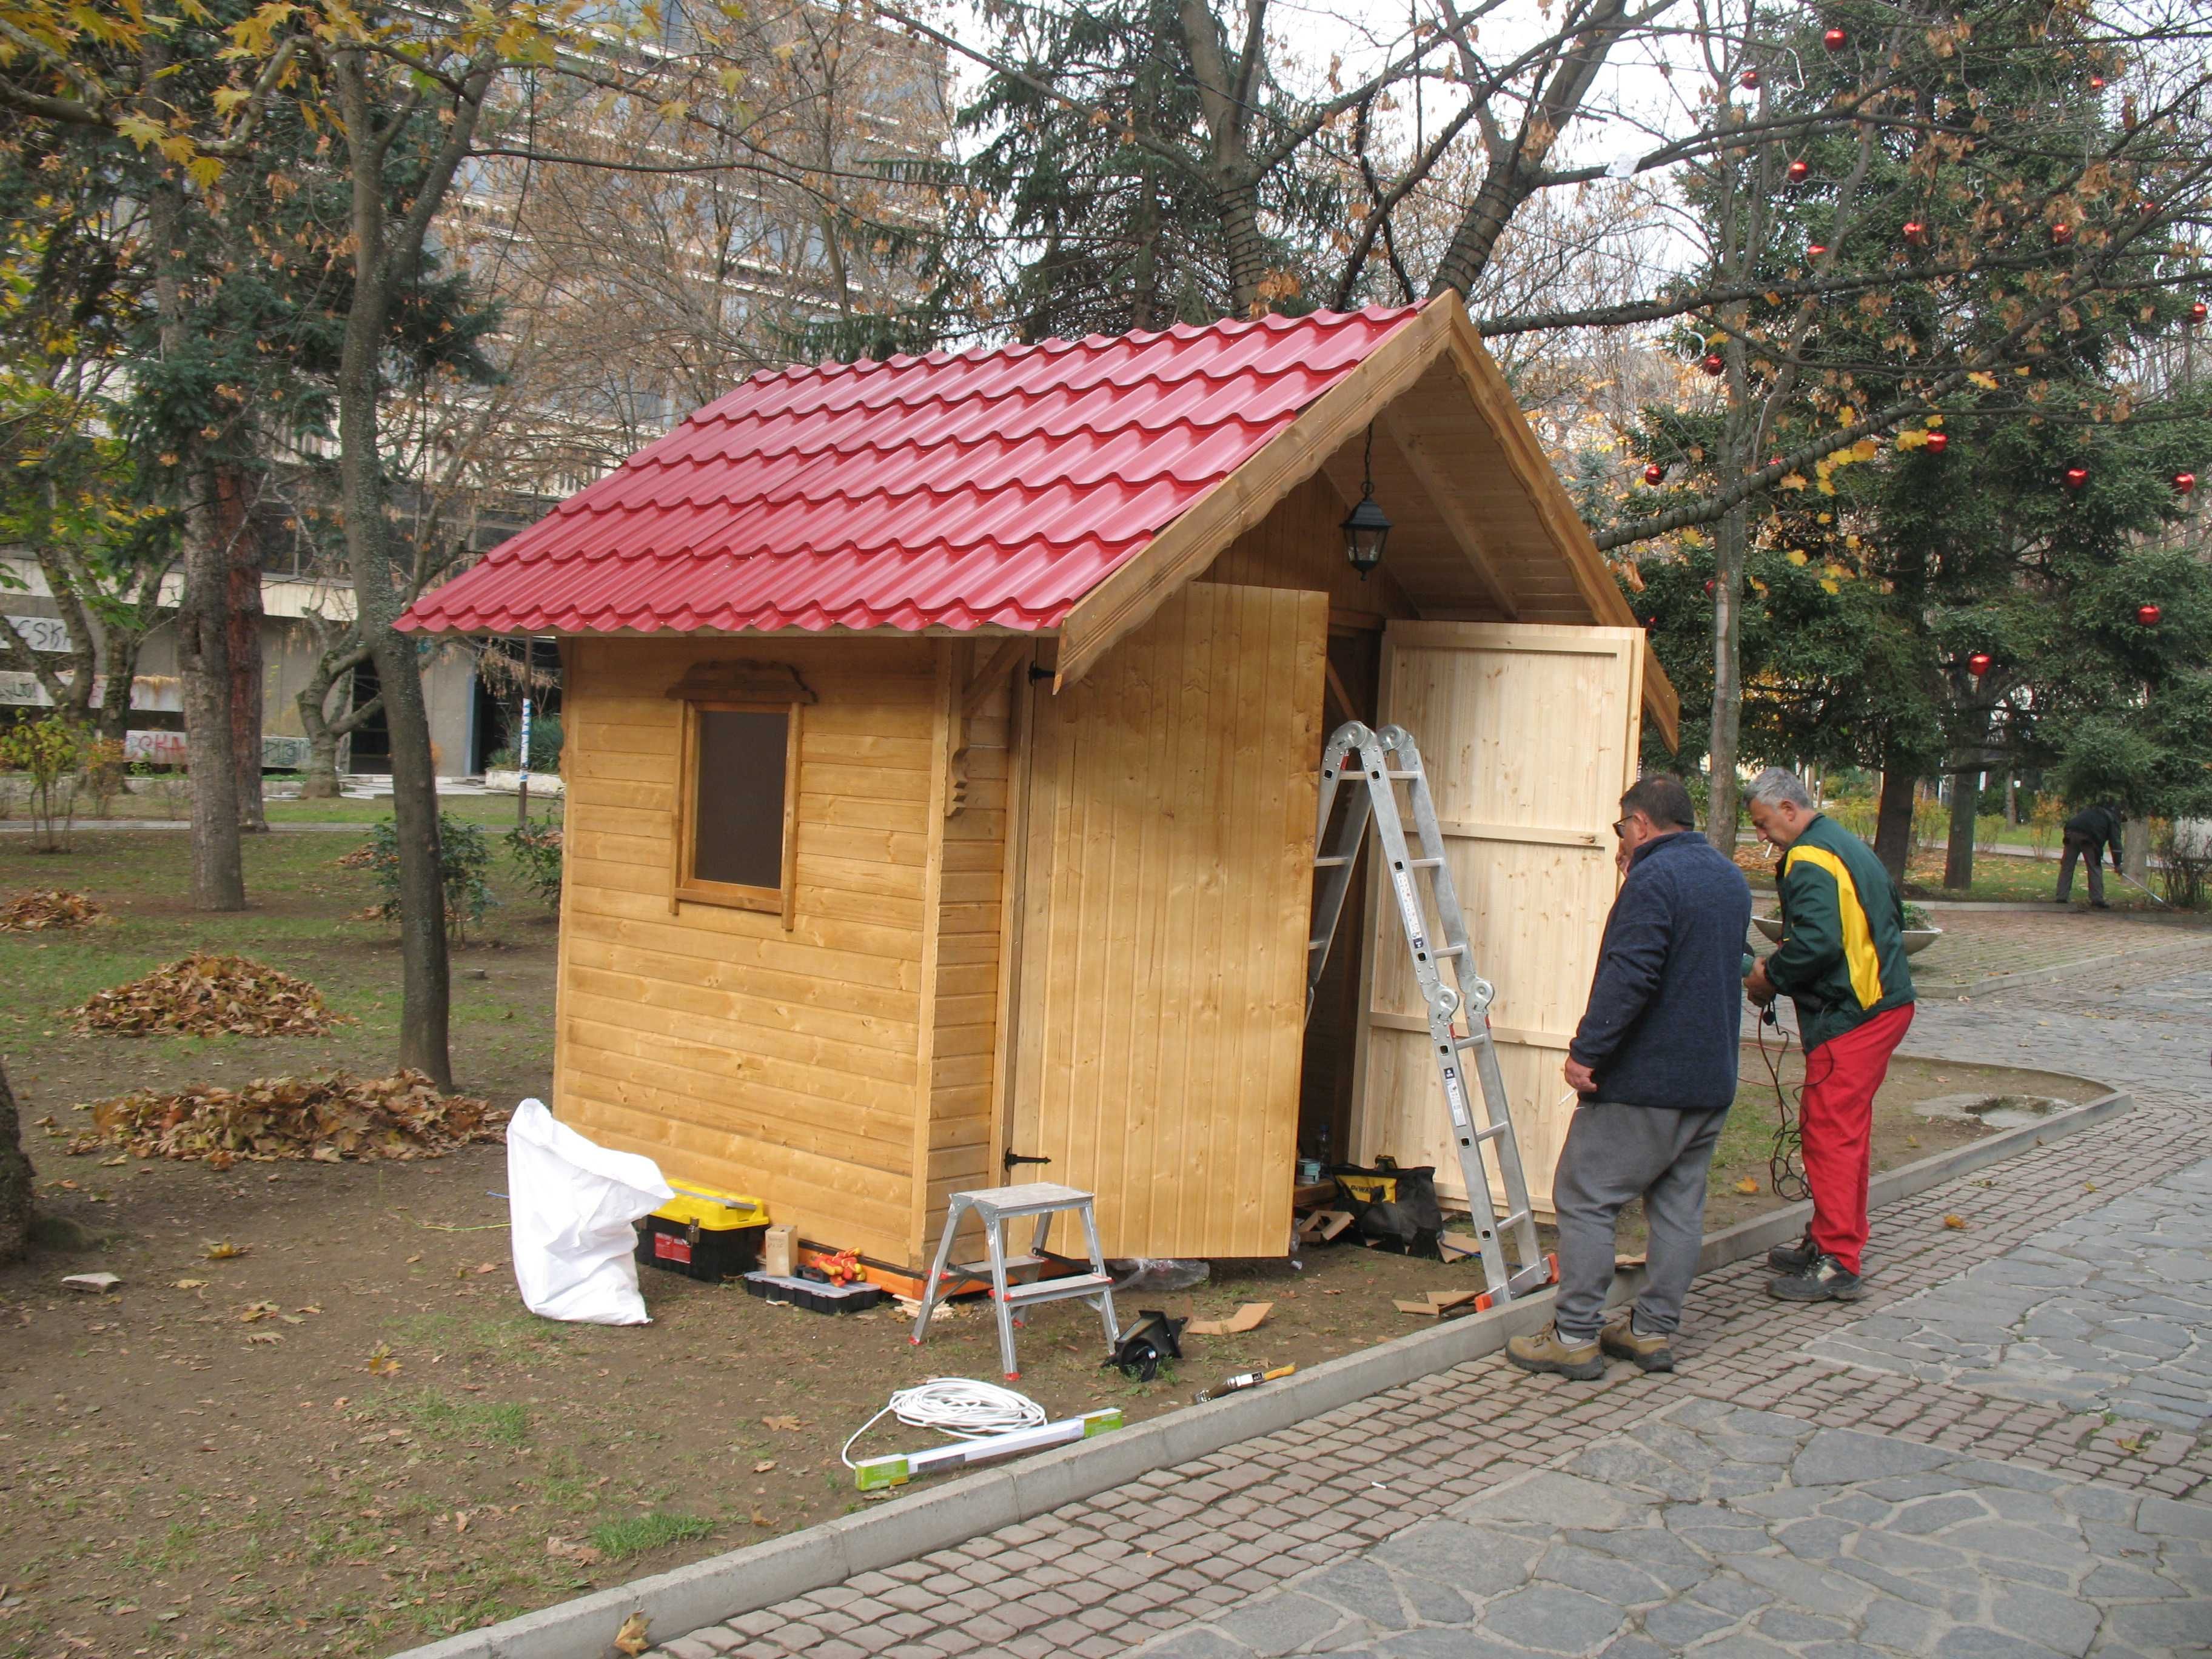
[(91, 1284), (1323, 1225), (1246, 1318), (779, 1246), (1457, 1247), (1437, 1304)]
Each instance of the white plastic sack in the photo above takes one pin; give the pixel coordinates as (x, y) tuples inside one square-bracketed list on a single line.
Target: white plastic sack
[(571, 1204)]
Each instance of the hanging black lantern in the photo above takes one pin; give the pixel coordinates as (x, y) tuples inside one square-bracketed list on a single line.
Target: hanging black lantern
[(1366, 527)]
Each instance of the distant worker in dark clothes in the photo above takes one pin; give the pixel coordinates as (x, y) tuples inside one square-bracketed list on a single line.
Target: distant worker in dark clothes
[(2089, 832), (1841, 961), (1654, 1063)]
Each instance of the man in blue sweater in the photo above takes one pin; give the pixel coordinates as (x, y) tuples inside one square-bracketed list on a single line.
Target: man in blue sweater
[(1654, 1062)]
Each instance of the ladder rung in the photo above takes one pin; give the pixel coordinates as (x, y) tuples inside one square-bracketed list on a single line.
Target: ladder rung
[(1492, 1134), (982, 1269), (1315, 944), (1052, 1290), (1423, 864), (1449, 950), (1332, 861), (1401, 774)]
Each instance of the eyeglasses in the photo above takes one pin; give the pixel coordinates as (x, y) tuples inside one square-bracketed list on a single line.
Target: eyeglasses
[(1619, 828)]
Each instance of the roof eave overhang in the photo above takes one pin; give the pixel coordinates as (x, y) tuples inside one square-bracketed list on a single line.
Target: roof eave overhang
[(1123, 601)]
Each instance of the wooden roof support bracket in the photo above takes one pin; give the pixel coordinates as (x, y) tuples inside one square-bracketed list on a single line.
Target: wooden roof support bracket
[(971, 693), (1437, 487)]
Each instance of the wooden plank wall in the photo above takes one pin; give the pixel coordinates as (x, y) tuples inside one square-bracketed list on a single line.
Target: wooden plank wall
[(1168, 880), (782, 1064), (1300, 545), (1528, 735), (964, 1008)]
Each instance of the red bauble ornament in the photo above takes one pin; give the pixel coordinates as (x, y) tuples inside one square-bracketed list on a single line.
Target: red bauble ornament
[(1916, 232), (2096, 83), (2196, 312), (1749, 80), (2062, 233), (2148, 615), (2076, 477), (1814, 249), (1713, 363), (1709, 587), (1835, 39), (1654, 474), (2184, 482), (1800, 172), (1938, 443), (1978, 663), (1650, 626)]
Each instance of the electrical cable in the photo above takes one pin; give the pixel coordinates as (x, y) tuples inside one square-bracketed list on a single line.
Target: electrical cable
[(957, 1405), (1785, 1167)]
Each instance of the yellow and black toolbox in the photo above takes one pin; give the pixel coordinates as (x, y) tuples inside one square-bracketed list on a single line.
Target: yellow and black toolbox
[(709, 1235)]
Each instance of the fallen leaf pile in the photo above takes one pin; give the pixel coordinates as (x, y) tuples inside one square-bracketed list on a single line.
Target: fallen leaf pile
[(204, 994), (36, 911), (329, 1118), (360, 858)]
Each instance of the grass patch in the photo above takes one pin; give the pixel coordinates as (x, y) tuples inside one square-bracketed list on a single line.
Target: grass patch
[(501, 1423), (634, 1535)]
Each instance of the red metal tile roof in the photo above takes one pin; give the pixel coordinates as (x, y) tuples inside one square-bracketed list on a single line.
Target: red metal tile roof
[(993, 487)]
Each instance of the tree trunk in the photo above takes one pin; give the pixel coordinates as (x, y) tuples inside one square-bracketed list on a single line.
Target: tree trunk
[(204, 665), (1892, 833), (2011, 800), (203, 648), (1728, 690), (1965, 806), (242, 639), (425, 988), (2134, 848), (321, 781), (14, 1177)]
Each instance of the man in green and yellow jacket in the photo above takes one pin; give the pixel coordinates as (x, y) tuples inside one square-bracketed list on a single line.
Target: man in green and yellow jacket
[(1842, 962)]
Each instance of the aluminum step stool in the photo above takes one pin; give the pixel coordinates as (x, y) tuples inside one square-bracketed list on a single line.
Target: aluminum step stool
[(995, 1206)]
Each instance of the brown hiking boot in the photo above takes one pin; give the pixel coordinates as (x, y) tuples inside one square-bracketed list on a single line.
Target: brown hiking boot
[(1624, 1341), (1545, 1351)]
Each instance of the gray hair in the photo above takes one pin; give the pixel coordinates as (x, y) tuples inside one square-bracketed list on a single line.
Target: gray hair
[(1778, 785)]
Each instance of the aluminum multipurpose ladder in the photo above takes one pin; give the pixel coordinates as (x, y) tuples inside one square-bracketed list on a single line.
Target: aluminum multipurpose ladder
[(1370, 765)]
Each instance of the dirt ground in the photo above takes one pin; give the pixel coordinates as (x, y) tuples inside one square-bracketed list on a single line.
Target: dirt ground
[(349, 1436)]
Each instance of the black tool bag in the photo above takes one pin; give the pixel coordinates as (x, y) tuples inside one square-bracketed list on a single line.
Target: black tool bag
[(1394, 1208)]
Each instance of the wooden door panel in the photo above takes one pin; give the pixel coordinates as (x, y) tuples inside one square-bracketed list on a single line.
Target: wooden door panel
[(1162, 991), (1529, 734)]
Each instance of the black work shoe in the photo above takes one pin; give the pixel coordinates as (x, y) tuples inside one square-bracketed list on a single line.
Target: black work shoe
[(1822, 1279), (1793, 1258), (2098, 904)]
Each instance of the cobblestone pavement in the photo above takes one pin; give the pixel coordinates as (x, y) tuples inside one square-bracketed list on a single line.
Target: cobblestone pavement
[(1983, 945), (2111, 1311), (1747, 1533), (1183, 1554)]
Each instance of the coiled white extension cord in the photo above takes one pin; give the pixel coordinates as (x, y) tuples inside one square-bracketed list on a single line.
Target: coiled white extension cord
[(957, 1405)]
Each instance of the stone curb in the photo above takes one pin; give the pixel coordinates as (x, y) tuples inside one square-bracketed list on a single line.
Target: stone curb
[(709, 1592)]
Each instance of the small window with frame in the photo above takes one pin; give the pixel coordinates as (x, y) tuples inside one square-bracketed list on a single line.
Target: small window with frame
[(737, 803)]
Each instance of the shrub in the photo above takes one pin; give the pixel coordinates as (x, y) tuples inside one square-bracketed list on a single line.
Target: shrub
[(2043, 822), (536, 849), (545, 738), (51, 751), (2185, 849), (464, 855)]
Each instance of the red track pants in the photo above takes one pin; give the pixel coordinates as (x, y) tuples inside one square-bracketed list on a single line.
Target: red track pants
[(1841, 1077)]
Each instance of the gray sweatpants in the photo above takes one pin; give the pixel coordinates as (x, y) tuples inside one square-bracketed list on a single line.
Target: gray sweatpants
[(1615, 1153)]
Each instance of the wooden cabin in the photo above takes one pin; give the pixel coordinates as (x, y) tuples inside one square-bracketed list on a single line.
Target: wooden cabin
[(941, 768)]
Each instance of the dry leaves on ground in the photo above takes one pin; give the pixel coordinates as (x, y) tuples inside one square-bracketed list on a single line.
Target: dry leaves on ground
[(360, 858), (36, 911), (204, 994), (329, 1118)]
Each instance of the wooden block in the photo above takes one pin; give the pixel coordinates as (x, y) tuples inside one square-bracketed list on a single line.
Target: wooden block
[(777, 1249), (1246, 1318)]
